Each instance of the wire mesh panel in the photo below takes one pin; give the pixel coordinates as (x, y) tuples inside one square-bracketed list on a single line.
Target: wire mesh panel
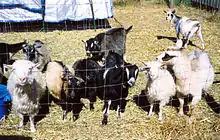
[(211, 3)]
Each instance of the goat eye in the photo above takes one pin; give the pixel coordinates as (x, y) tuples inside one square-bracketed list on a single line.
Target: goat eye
[(96, 42)]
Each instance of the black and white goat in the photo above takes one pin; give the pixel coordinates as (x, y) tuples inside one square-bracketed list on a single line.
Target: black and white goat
[(111, 40), (37, 53), (186, 26), (118, 77)]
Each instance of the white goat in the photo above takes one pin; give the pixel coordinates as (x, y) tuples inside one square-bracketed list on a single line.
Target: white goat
[(194, 73), (187, 27), (26, 86), (160, 86)]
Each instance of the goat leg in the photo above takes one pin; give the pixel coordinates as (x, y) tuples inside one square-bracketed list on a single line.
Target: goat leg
[(21, 123), (150, 111), (32, 125), (106, 112), (181, 107), (195, 100)]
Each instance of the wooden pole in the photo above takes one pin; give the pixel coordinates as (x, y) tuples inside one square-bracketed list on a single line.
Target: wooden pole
[(170, 4), (93, 15), (43, 14)]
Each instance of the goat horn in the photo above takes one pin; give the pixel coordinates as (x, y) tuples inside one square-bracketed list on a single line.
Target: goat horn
[(144, 63)]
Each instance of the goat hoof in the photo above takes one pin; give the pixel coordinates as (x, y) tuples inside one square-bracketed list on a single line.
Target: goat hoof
[(104, 122), (180, 113), (33, 130), (19, 126), (160, 119), (92, 109)]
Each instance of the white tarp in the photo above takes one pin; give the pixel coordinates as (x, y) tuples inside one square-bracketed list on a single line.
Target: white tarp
[(55, 10), (20, 10), (75, 10)]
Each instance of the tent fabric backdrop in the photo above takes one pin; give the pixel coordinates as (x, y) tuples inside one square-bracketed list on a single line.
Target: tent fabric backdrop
[(55, 10), (20, 10)]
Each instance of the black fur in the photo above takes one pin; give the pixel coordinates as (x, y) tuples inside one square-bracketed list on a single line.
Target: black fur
[(112, 40), (91, 72), (6, 48)]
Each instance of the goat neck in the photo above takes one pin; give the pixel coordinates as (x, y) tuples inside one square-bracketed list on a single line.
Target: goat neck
[(175, 19)]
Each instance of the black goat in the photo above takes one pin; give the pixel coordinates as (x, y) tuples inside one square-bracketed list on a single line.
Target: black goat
[(91, 72), (6, 48), (118, 77), (111, 40)]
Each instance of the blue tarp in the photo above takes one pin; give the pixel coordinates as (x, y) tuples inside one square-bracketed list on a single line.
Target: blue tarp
[(4, 94)]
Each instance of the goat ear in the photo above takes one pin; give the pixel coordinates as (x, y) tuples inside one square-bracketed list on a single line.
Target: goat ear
[(83, 41), (164, 11), (167, 57), (174, 11), (145, 68), (145, 64), (7, 69), (25, 41), (142, 69)]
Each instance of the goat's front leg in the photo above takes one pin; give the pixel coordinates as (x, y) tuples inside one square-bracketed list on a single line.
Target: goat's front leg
[(181, 106), (160, 109), (151, 110), (21, 123), (195, 100), (106, 108), (67, 107), (92, 101), (121, 108), (178, 35), (32, 125), (64, 115)]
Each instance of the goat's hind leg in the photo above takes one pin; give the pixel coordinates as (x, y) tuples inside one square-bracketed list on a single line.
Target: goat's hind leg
[(189, 35)]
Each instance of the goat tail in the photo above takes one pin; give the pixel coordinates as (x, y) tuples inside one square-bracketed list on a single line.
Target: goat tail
[(127, 30), (211, 102)]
